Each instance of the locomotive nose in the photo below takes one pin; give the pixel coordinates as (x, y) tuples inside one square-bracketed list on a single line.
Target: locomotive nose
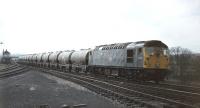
[(156, 60), (157, 54)]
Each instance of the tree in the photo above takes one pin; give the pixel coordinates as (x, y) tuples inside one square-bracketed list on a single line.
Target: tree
[(180, 62), (196, 66)]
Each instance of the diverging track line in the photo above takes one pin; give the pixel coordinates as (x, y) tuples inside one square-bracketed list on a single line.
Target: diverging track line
[(122, 90)]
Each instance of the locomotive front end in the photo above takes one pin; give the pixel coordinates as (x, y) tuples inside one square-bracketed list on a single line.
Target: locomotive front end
[(156, 59)]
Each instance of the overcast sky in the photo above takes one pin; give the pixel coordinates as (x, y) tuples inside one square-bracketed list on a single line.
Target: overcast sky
[(32, 26)]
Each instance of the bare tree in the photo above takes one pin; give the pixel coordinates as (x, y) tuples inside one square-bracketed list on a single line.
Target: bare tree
[(196, 67), (180, 62)]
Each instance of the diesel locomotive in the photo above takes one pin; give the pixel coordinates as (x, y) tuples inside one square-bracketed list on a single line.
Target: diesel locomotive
[(142, 60)]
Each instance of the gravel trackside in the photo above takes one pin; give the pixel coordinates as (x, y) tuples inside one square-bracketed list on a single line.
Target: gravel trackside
[(32, 89)]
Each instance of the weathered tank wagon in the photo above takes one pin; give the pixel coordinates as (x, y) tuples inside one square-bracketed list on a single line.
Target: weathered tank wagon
[(39, 59), (30, 58), (53, 59), (34, 59), (45, 59), (64, 62), (79, 60)]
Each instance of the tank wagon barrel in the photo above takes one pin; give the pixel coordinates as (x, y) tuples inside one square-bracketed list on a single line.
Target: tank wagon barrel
[(45, 59), (34, 59), (30, 58), (64, 62), (39, 59), (53, 59), (79, 60)]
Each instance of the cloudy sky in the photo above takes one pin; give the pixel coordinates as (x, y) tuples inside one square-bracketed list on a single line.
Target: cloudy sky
[(32, 26)]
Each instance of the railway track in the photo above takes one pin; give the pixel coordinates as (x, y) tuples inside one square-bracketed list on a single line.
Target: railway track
[(189, 98), (182, 97), (15, 70), (12, 66), (186, 93), (186, 88), (163, 85), (107, 91), (190, 84), (134, 93)]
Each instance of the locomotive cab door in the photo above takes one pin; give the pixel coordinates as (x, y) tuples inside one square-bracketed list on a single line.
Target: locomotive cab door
[(130, 58), (135, 57), (139, 57)]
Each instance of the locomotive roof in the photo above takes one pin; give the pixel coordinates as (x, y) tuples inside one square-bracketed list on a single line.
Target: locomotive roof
[(155, 43), (150, 43), (113, 46)]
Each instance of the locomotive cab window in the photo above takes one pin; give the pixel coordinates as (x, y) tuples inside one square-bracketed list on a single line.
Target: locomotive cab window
[(130, 56), (139, 50)]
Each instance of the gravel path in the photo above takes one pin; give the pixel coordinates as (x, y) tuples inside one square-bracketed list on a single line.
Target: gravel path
[(32, 89)]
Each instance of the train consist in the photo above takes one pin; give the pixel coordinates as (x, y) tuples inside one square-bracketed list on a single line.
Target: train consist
[(143, 60)]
